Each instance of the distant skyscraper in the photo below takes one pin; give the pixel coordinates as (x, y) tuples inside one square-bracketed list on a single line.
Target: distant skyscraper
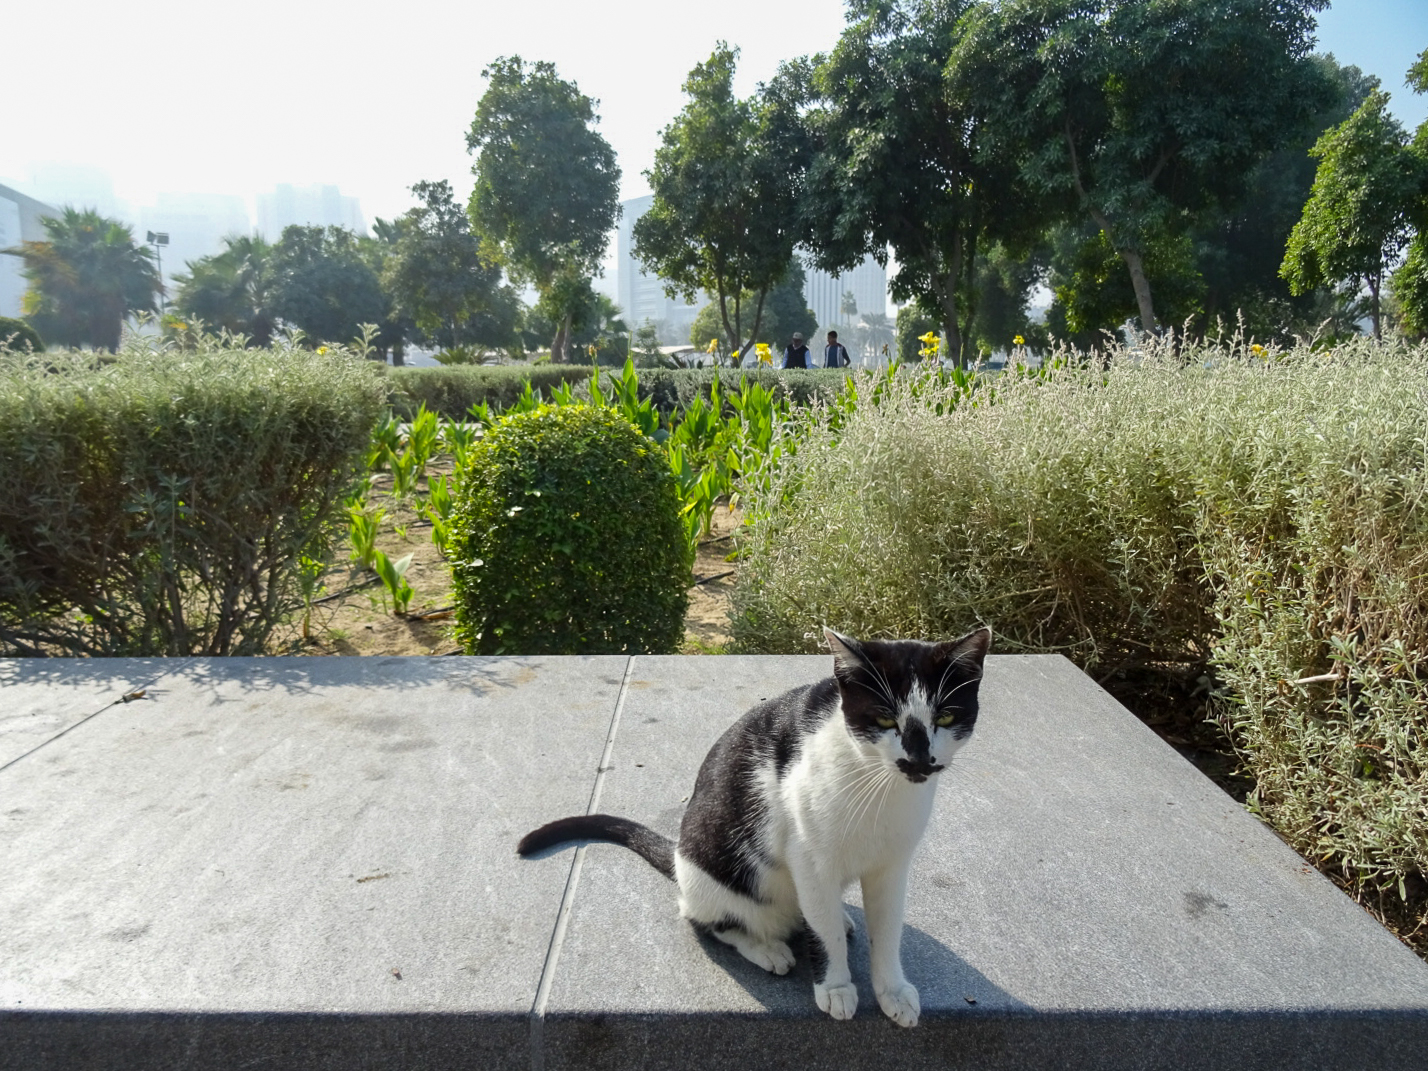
[(313, 206), (642, 295), (78, 186), (19, 222), (196, 224), (824, 292)]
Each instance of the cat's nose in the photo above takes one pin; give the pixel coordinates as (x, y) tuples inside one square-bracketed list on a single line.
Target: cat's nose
[(917, 772)]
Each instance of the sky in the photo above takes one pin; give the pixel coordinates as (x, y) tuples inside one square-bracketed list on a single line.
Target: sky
[(170, 96)]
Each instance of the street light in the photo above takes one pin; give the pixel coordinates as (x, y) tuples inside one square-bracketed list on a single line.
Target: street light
[(160, 239)]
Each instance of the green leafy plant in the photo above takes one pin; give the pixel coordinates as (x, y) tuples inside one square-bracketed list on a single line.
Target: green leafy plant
[(393, 575), (362, 526), (566, 538)]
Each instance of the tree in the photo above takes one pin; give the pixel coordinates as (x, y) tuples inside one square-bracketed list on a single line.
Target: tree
[(1146, 112), (1358, 218), (1410, 282), (547, 186), (232, 290), (85, 278), (725, 181), (439, 278), (322, 285), (878, 332), (1238, 253), (785, 310), (900, 161)]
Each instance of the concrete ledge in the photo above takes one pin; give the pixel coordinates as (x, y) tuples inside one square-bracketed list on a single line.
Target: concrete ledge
[(308, 863)]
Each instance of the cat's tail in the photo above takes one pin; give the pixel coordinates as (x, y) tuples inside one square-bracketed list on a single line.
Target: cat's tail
[(654, 849)]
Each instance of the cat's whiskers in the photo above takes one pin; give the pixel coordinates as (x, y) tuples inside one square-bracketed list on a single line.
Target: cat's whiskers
[(860, 789), (865, 801)]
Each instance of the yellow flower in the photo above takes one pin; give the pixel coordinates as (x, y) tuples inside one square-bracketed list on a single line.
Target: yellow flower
[(713, 346), (1257, 350), (322, 349), (590, 349), (764, 351), (1018, 341), (930, 345)]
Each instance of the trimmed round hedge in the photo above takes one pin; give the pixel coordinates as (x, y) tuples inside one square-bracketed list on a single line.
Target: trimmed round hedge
[(567, 539)]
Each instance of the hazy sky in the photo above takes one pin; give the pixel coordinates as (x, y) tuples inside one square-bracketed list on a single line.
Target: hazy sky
[(175, 96)]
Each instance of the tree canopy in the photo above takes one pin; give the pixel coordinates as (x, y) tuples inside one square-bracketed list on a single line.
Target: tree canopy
[(85, 278), (232, 290), (438, 277), (726, 181), (1359, 215), (1145, 112), (322, 285), (547, 185)]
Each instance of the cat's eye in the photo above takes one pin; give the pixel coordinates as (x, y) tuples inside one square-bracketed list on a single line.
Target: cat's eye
[(885, 721), (945, 718)]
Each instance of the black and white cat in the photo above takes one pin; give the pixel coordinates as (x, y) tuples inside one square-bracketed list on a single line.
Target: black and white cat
[(807, 792)]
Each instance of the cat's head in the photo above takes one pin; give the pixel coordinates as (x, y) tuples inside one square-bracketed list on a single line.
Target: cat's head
[(910, 702)]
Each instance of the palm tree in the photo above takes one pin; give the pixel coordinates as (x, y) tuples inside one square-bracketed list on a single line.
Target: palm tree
[(86, 279), (231, 290), (877, 331)]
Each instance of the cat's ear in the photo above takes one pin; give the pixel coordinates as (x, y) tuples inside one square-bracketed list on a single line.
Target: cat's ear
[(970, 650), (847, 652)]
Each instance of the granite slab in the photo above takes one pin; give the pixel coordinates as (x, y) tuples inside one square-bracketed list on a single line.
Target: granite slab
[(294, 862), (1084, 898), (42, 698)]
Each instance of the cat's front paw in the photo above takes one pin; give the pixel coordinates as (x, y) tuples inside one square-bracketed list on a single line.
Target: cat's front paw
[(839, 1001), (772, 956), (901, 1003)]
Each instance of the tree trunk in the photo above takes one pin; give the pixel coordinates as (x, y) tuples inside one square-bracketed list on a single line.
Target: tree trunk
[(1374, 282), (561, 341), (1142, 288)]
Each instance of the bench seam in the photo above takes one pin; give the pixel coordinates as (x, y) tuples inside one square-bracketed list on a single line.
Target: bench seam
[(567, 900)]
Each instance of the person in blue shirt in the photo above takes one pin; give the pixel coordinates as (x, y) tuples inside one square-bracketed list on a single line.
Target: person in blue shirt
[(795, 354), (835, 354)]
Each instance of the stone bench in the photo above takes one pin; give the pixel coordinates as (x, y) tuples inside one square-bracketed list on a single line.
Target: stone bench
[(309, 863)]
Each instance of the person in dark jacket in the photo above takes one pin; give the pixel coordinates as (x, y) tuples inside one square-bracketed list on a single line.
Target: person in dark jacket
[(835, 354), (795, 354)]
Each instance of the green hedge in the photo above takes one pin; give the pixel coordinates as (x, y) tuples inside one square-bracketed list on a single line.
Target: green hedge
[(19, 335), (452, 390), (567, 539), (169, 503), (1261, 519)]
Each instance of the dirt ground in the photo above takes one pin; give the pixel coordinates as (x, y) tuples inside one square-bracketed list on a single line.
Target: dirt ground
[(355, 616)]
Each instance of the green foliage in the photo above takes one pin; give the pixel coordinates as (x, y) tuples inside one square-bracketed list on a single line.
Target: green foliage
[(890, 136), (566, 539), (1251, 516), (452, 391), (1359, 215), (18, 335), (85, 278), (547, 185), (725, 182), (171, 503), (393, 577), (785, 311), (231, 291), (439, 278), (1143, 115), (322, 285)]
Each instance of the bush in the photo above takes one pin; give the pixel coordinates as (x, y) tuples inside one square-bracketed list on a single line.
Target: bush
[(566, 539), (674, 389), (452, 390), (1258, 519), (169, 503), (18, 335)]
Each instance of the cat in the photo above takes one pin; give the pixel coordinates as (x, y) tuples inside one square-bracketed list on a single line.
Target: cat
[(806, 792)]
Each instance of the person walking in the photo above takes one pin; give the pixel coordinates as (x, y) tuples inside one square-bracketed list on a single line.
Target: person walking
[(795, 354), (835, 354)]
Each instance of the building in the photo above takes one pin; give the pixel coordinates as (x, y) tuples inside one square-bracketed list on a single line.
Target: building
[(824, 293), (310, 206), (641, 295), (196, 224), (19, 222)]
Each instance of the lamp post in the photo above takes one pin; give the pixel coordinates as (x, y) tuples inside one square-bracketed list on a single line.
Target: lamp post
[(160, 239)]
